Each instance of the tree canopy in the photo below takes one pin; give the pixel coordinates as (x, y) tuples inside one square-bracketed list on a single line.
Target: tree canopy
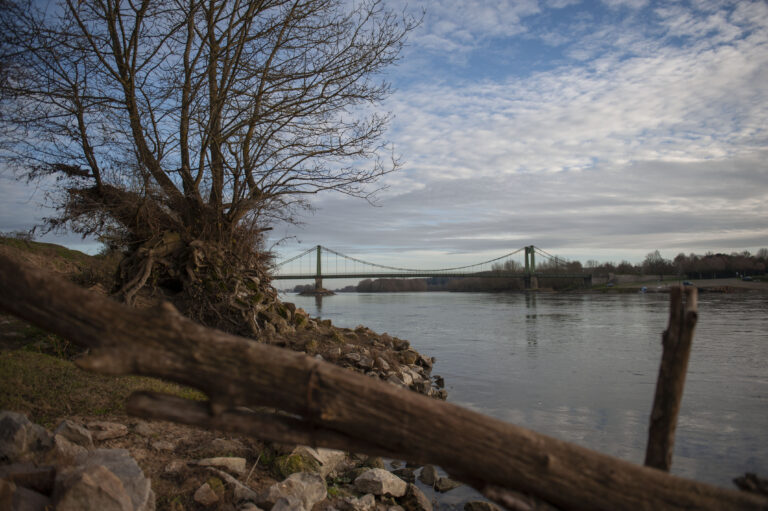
[(199, 117)]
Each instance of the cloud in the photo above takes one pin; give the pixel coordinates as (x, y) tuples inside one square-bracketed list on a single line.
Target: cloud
[(658, 143)]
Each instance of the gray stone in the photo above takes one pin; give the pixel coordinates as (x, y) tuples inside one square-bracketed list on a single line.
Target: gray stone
[(307, 488), (365, 503), (30, 476), (328, 459), (479, 505), (289, 503), (205, 495), (17, 498), (382, 364), (232, 464), (75, 433), (92, 487), (175, 467), (125, 468), (163, 445), (380, 482), (20, 439), (228, 447), (240, 491), (406, 474), (101, 430), (143, 429), (444, 484), (63, 452), (415, 500), (428, 475)]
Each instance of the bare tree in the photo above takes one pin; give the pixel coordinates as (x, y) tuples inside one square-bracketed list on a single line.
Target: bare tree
[(180, 129)]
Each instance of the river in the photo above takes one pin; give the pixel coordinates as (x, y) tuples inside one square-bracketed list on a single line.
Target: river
[(583, 367)]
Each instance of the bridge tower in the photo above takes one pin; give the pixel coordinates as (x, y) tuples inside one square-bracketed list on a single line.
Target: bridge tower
[(319, 271), (531, 282)]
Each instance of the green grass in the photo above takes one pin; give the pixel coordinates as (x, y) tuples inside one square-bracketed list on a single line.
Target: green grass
[(46, 249), (47, 388)]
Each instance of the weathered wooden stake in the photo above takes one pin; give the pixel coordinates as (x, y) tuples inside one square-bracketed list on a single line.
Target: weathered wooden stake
[(677, 341)]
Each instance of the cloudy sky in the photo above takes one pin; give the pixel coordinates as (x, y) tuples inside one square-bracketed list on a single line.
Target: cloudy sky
[(595, 130), (591, 129)]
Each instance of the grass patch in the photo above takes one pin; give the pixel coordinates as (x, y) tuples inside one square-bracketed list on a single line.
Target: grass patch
[(47, 388)]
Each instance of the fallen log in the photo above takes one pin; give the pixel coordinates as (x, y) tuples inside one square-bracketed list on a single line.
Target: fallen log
[(325, 405)]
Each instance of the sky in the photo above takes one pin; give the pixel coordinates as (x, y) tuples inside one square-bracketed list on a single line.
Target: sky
[(592, 129)]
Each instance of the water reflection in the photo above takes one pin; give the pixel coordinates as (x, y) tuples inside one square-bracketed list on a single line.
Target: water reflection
[(531, 329)]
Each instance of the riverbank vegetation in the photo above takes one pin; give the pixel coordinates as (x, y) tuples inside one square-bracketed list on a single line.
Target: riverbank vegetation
[(177, 135)]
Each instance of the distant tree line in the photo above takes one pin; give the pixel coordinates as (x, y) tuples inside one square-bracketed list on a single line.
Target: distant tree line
[(709, 265)]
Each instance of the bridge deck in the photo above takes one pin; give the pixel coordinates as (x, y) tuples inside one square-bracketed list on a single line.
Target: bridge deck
[(494, 275)]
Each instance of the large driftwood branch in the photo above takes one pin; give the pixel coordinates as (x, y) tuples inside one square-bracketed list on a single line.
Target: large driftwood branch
[(677, 340), (328, 406)]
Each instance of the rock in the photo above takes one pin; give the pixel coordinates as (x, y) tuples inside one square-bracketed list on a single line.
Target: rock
[(395, 508), (444, 484), (382, 364), (143, 429), (406, 474), (374, 462), (309, 489), (30, 476), (205, 495), (230, 447), (365, 362), (289, 503), (439, 381), (380, 482), (423, 387), (327, 459), (406, 377), (479, 505), (415, 500), (353, 357), (175, 467), (395, 464), (249, 506), (409, 356), (394, 379), (365, 503), (232, 464), (107, 430), (63, 452), (92, 487), (240, 491), (428, 475), (163, 445), (17, 498), (20, 439), (125, 468), (75, 433)]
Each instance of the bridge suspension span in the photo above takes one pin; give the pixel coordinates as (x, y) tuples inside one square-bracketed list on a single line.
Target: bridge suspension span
[(320, 263)]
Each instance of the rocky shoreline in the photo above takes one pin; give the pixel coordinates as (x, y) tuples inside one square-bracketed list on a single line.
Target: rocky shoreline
[(135, 465)]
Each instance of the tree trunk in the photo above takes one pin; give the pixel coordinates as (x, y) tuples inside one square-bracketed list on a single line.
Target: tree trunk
[(334, 407)]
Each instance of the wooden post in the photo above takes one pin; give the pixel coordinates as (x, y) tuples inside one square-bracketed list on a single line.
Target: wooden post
[(676, 341)]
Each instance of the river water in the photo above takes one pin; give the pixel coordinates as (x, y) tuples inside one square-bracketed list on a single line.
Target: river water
[(583, 367)]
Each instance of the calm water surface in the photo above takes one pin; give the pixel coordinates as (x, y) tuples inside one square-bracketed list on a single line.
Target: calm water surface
[(583, 368)]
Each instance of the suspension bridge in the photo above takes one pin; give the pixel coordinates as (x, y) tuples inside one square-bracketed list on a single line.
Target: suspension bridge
[(320, 263)]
